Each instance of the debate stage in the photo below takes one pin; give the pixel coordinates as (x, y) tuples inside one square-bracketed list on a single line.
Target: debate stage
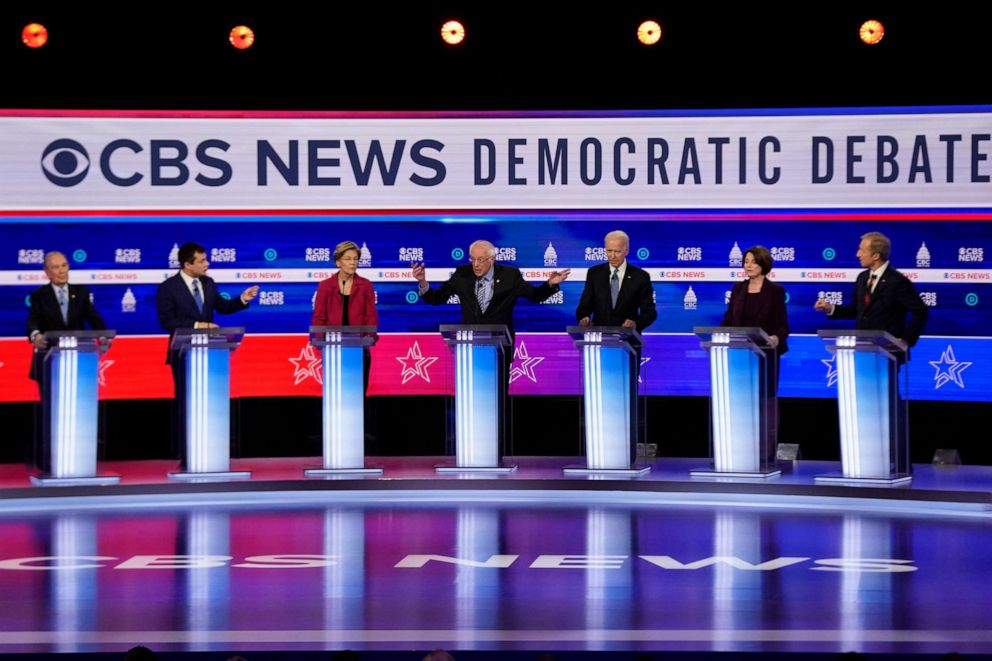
[(529, 561)]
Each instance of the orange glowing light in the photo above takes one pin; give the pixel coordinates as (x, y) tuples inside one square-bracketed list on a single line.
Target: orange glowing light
[(453, 33), (649, 33), (34, 35), (871, 32), (242, 37)]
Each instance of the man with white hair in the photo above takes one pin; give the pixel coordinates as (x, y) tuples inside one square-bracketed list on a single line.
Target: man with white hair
[(617, 293), (57, 306), (487, 291)]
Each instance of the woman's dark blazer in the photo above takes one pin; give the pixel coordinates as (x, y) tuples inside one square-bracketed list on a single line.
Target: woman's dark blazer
[(771, 315)]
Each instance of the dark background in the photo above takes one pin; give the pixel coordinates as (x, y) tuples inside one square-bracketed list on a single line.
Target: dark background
[(534, 55), (517, 56)]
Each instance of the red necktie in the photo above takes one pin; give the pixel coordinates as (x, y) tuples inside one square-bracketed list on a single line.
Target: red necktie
[(871, 284)]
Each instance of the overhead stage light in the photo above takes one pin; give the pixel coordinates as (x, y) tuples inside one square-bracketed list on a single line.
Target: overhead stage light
[(871, 32), (242, 37), (649, 33), (34, 35), (453, 33)]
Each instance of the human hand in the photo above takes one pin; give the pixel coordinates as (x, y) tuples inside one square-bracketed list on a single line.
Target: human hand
[(418, 271), (557, 277), (773, 341), (249, 294), (584, 321), (629, 323)]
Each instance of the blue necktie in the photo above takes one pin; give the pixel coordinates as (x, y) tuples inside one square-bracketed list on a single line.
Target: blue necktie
[(197, 296), (64, 305), (614, 288)]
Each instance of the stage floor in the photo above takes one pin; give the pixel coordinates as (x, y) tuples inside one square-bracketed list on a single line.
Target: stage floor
[(532, 560)]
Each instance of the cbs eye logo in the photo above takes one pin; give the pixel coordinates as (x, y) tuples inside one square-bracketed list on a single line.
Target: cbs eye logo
[(65, 162)]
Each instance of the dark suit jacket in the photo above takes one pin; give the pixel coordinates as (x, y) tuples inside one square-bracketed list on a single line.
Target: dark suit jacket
[(635, 300), (508, 286), (177, 308), (45, 315), (894, 297), (327, 308), (770, 314)]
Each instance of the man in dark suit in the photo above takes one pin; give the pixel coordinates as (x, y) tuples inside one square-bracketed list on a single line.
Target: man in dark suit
[(189, 299), (883, 297), (617, 293), (57, 306), (487, 292)]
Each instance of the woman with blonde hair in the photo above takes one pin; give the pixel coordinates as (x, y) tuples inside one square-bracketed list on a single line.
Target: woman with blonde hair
[(346, 298)]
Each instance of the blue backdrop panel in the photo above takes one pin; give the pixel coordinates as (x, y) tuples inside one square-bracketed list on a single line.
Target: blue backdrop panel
[(690, 257)]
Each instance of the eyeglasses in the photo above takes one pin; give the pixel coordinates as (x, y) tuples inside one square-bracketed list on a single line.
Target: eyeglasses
[(479, 260)]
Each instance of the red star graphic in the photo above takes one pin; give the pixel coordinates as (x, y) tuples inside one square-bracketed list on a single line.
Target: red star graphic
[(103, 366), (313, 367), (416, 364)]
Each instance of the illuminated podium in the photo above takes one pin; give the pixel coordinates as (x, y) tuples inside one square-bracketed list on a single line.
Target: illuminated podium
[(739, 402), (70, 404), (206, 356), (479, 395), (874, 421), (609, 392), (342, 351)]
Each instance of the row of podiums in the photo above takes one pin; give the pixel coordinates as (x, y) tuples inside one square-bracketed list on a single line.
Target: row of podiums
[(872, 412)]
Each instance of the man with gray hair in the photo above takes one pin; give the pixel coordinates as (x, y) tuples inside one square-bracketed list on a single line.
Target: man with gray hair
[(57, 306), (883, 297), (487, 291), (617, 293)]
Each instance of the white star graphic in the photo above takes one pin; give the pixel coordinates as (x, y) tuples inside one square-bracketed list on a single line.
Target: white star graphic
[(313, 367), (831, 364), (643, 360), (524, 364), (419, 365), (948, 369), (103, 366)]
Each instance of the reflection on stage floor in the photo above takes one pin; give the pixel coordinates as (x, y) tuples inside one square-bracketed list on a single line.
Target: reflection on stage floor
[(491, 569)]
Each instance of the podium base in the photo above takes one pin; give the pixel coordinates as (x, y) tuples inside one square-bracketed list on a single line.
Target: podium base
[(626, 472), (209, 475), (324, 472), (476, 469), (896, 479), (745, 475), (92, 480)]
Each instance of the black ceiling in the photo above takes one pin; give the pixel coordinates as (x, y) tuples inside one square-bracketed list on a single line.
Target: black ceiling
[(538, 55)]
